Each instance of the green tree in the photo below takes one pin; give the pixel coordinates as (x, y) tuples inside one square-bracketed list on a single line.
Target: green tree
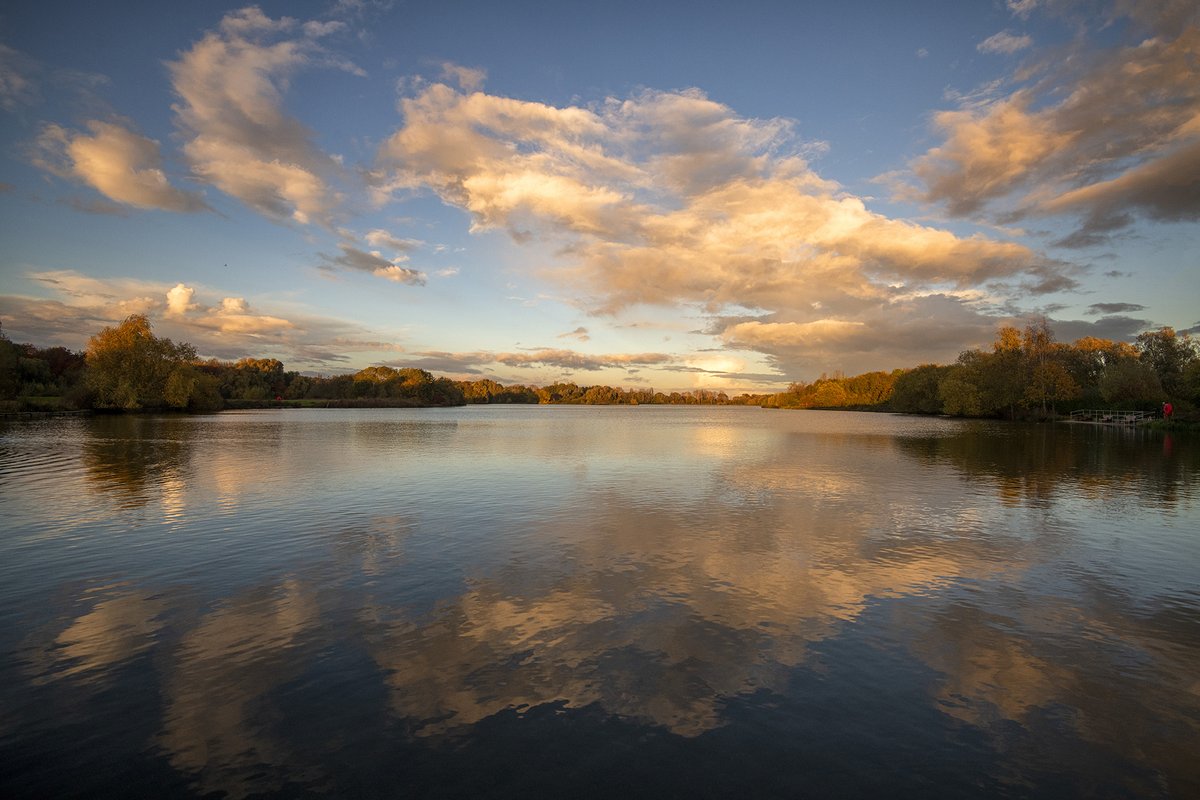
[(1131, 382), (1168, 354), (9, 360), (960, 396), (916, 391)]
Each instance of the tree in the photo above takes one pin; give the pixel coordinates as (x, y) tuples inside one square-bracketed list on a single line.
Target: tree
[(916, 391), (1168, 355), (960, 396), (1089, 360), (1131, 382), (129, 367), (1002, 376), (9, 359)]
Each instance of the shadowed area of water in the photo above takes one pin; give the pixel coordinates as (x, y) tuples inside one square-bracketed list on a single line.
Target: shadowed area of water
[(596, 601)]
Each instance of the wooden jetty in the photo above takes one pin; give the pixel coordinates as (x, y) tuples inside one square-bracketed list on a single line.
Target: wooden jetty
[(1108, 416)]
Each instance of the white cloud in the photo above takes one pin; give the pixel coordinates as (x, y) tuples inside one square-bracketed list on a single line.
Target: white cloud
[(1022, 8), (179, 300), (467, 78), (382, 238), (1004, 43)]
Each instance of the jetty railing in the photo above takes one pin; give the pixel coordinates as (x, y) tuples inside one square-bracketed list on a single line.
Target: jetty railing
[(1109, 416)]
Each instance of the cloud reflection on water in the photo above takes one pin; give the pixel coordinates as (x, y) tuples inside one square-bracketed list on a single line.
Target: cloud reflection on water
[(958, 547)]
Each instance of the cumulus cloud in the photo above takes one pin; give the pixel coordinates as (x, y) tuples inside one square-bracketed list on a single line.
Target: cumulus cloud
[(1103, 135), (672, 198), (238, 138), (179, 299), (71, 306), (1004, 43), (121, 165)]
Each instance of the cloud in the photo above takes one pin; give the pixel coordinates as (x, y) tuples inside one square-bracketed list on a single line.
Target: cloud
[(238, 138), (382, 238), (1116, 327), (73, 306), (822, 331), (1114, 308), (670, 198), (467, 78), (573, 360), (179, 300), (17, 86), (116, 162), (1102, 134), (1165, 189), (481, 362), (373, 262), (1004, 43), (580, 333), (923, 53), (1022, 8)]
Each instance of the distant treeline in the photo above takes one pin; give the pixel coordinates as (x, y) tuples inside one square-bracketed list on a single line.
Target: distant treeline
[(1026, 374), (126, 367)]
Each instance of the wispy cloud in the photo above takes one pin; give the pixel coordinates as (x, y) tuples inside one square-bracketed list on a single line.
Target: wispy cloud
[(1022, 8), (574, 360), (1004, 43), (1105, 135), (373, 262), (238, 137), (580, 333), (1114, 308), (17, 86)]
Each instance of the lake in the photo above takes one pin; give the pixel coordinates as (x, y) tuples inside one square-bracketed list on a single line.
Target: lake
[(596, 601)]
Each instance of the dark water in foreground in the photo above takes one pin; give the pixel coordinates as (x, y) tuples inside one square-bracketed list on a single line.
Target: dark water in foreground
[(630, 602)]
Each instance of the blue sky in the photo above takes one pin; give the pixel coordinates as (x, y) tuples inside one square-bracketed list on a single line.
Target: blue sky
[(676, 195)]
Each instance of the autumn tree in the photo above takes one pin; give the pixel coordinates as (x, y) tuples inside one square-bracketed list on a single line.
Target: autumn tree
[(130, 368)]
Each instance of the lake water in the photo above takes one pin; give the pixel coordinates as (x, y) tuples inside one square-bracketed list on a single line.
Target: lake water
[(596, 601)]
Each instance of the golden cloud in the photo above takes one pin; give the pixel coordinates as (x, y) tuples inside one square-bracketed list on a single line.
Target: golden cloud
[(116, 162)]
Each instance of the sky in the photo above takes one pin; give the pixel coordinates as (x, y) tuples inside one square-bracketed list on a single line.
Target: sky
[(675, 195)]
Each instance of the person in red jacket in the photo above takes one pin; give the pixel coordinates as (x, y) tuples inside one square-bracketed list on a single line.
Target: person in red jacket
[(1168, 410)]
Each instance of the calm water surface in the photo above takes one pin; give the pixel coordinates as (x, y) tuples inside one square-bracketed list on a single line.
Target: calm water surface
[(564, 601)]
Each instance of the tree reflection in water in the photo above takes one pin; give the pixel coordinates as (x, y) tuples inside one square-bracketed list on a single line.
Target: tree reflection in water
[(953, 612)]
